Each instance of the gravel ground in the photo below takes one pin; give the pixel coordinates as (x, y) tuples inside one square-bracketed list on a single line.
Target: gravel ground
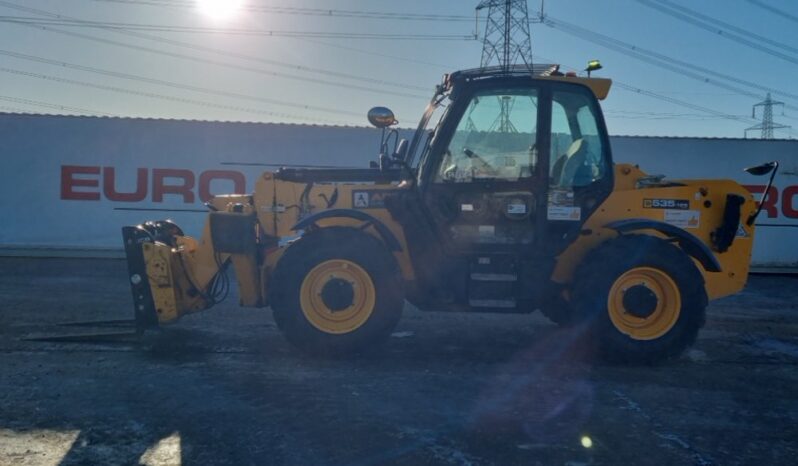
[(223, 387)]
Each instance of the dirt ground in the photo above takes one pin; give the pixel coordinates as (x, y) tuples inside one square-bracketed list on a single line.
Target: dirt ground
[(223, 387)]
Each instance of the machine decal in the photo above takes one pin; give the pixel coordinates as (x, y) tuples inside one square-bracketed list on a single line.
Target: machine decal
[(569, 214), (561, 198), (467, 208), (683, 218), (741, 233), (360, 199), (561, 206), (332, 200), (675, 204), (371, 199)]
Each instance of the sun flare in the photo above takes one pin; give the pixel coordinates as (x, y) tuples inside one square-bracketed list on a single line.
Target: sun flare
[(220, 9)]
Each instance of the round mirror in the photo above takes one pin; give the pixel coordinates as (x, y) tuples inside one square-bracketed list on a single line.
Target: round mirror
[(381, 117)]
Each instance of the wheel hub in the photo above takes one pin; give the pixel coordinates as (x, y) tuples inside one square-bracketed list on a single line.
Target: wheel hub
[(640, 301), (644, 303), (338, 294)]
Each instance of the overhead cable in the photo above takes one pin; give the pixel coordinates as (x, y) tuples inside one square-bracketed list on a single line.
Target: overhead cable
[(663, 61), (324, 12), (230, 31), (731, 27), (774, 10), (741, 39), (174, 85), (52, 106), (154, 95), (315, 71)]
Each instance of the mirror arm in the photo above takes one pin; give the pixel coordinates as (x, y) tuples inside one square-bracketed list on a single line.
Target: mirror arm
[(753, 217), (383, 143), (386, 158)]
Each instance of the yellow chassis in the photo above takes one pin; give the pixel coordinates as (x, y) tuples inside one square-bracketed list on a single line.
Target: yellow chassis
[(180, 274)]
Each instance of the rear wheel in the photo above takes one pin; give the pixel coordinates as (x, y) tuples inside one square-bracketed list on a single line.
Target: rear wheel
[(336, 291), (558, 311), (643, 299)]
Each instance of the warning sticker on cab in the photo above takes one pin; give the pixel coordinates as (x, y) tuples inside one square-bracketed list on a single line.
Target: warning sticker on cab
[(569, 214), (360, 199), (683, 218), (371, 199)]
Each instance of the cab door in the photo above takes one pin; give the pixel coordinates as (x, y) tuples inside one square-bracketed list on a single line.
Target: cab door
[(579, 165), (483, 191)]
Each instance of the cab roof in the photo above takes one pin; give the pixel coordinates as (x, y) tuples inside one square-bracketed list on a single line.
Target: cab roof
[(599, 86)]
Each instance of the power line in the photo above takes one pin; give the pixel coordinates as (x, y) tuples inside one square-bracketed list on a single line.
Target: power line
[(156, 38), (682, 103), (324, 12), (632, 114), (62, 108), (630, 88), (693, 18), (664, 98), (731, 27), (663, 61), (230, 31), (225, 53), (7, 109), (171, 84), (153, 95), (775, 10), (376, 54)]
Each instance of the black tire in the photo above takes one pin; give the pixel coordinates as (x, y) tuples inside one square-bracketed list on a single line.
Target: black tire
[(336, 243), (558, 311), (596, 278)]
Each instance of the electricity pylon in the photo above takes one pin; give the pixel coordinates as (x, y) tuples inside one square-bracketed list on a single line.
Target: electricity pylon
[(768, 125)]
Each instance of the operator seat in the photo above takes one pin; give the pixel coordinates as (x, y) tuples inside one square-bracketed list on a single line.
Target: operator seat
[(566, 167)]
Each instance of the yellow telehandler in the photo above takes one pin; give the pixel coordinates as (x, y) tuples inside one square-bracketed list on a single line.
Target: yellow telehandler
[(505, 200)]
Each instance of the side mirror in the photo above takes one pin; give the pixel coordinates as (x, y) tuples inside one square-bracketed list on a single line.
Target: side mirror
[(381, 117), (762, 170)]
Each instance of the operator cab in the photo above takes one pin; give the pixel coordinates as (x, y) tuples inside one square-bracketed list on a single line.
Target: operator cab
[(516, 164), (518, 158)]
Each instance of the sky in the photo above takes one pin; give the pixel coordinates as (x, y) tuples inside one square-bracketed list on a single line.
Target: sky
[(205, 75)]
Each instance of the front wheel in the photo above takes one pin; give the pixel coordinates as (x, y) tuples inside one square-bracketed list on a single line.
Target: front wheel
[(337, 290), (642, 298)]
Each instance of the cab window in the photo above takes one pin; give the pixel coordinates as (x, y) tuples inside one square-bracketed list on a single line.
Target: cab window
[(578, 157), (495, 139)]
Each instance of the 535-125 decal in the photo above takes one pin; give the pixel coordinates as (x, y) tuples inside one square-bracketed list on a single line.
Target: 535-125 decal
[(678, 204)]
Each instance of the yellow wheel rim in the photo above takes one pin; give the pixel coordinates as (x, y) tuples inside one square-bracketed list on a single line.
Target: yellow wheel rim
[(644, 303), (337, 296)]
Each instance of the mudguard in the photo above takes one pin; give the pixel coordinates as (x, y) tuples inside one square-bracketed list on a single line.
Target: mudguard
[(384, 232), (689, 243)]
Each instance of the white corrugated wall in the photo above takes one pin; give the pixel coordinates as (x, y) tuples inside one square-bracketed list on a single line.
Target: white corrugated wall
[(68, 184)]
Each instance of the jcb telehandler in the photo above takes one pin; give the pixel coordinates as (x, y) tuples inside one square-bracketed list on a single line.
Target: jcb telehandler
[(507, 202)]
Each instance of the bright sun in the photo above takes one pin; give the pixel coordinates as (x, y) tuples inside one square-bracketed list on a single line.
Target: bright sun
[(220, 9)]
